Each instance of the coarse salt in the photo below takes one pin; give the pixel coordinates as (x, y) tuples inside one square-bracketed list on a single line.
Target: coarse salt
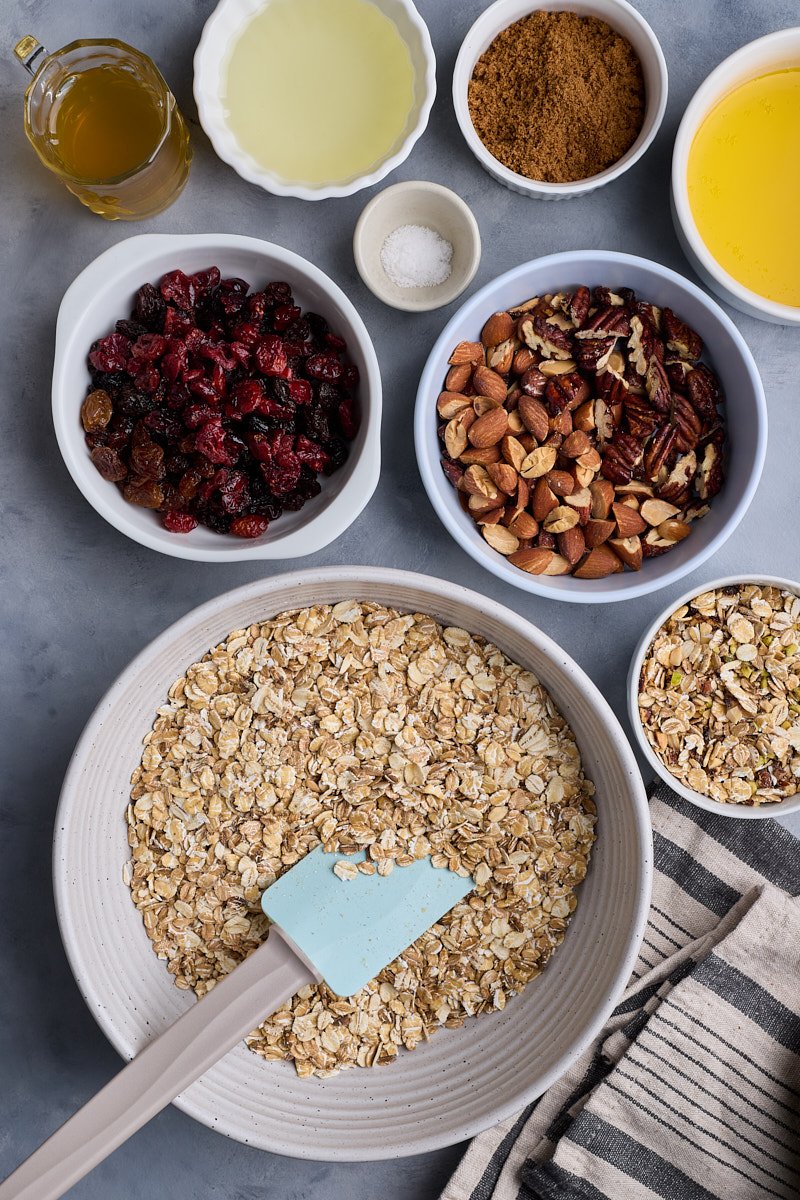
[(415, 256)]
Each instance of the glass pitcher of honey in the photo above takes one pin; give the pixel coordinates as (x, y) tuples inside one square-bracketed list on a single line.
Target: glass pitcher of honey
[(100, 116)]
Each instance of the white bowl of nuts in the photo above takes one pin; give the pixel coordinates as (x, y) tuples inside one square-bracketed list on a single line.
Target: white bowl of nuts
[(240, 729), (590, 426), (714, 696)]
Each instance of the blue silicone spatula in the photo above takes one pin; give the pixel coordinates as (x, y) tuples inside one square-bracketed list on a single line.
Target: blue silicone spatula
[(341, 931)]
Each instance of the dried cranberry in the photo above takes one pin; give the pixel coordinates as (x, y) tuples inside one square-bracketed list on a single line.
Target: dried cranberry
[(335, 342), (300, 391), (110, 353), (149, 346), (205, 281), (311, 453), (232, 294), (147, 380), (149, 307), (350, 377), (109, 463), (210, 442), (255, 307), (247, 333), (270, 356), (347, 419), (247, 395), (177, 288), (234, 493), (172, 364), (283, 316), (277, 293), (204, 390), (177, 521), (324, 366), (176, 323)]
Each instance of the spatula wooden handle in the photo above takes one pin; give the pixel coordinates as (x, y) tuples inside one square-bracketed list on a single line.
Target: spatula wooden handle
[(160, 1072)]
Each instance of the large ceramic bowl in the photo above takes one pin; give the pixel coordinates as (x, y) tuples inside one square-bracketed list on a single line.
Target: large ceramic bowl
[(774, 52), (726, 350), (623, 18), (463, 1080), (210, 63), (780, 809), (104, 291)]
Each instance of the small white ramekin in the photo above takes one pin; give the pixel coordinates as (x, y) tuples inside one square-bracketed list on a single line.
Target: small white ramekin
[(417, 202), (210, 62), (783, 807), (623, 18), (770, 53), (104, 291)]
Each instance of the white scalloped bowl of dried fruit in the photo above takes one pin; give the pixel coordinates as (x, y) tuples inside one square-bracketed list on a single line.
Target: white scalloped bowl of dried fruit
[(714, 710), (593, 480), (463, 1079)]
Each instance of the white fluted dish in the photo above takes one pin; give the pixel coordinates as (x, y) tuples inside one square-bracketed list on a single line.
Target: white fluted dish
[(463, 1080), (104, 291)]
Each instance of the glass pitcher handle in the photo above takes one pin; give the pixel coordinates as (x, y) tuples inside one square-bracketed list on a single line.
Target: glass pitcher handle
[(30, 53)]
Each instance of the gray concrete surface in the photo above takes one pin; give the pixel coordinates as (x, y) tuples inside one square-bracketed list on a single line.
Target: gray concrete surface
[(79, 600)]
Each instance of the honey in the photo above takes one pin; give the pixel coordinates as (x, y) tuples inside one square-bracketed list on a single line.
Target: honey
[(319, 91), (106, 124), (744, 184)]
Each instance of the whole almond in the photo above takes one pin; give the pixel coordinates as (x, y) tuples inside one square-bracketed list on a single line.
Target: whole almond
[(524, 359), (488, 383), (538, 462), (674, 531), (561, 423), (482, 457), (458, 377), (596, 532), (466, 352), (629, 522), (560, 519), (558, 565), (500, 539), (492, 517), (504, 475), (499, 327), (450, 403), (524, 525), (534, 416), (572, 544), (489, 429), (602, 493), (534, 561), (476, 482), (599, 563), (544, 499), (561, 483), (576, 444)]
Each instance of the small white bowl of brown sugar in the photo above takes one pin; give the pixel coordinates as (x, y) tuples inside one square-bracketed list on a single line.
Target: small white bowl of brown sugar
[(557, 99), (714, 696)]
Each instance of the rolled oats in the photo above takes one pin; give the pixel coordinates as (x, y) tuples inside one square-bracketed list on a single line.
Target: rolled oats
[(360, 728), (719, 694)]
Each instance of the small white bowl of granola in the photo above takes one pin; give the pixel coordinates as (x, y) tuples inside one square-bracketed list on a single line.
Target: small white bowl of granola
[(713, 694)]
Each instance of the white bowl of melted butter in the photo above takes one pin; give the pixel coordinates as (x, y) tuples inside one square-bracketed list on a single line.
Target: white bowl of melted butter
[(314, 98)]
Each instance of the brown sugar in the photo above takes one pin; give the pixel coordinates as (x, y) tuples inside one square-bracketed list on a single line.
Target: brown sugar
[(557, 97)]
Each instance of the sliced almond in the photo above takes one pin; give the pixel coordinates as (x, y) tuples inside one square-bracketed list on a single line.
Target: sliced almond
[(656, 511), (602, 493), (500, 539), (504, 476), (560, 519), (466, 352), (489, 429), (599, 563), (499, 327), (488, 383), (572, 544), (544, 499), (534, 416), (629, 551), (450, 404), (596, 532), (539, 462), (629, 522)]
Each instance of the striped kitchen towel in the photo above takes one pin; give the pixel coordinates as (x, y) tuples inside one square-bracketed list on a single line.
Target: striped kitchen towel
[(693, 1090)]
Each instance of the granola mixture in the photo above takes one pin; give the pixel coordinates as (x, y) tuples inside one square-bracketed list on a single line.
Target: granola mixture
[(362, 728), (719, 694)]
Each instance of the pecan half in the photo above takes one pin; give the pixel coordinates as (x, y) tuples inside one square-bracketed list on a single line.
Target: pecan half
[(659, 451), (642, 418), (622, 456), (680, 338), (686, 421), (607, 321), (657, 385), (704, 391)]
